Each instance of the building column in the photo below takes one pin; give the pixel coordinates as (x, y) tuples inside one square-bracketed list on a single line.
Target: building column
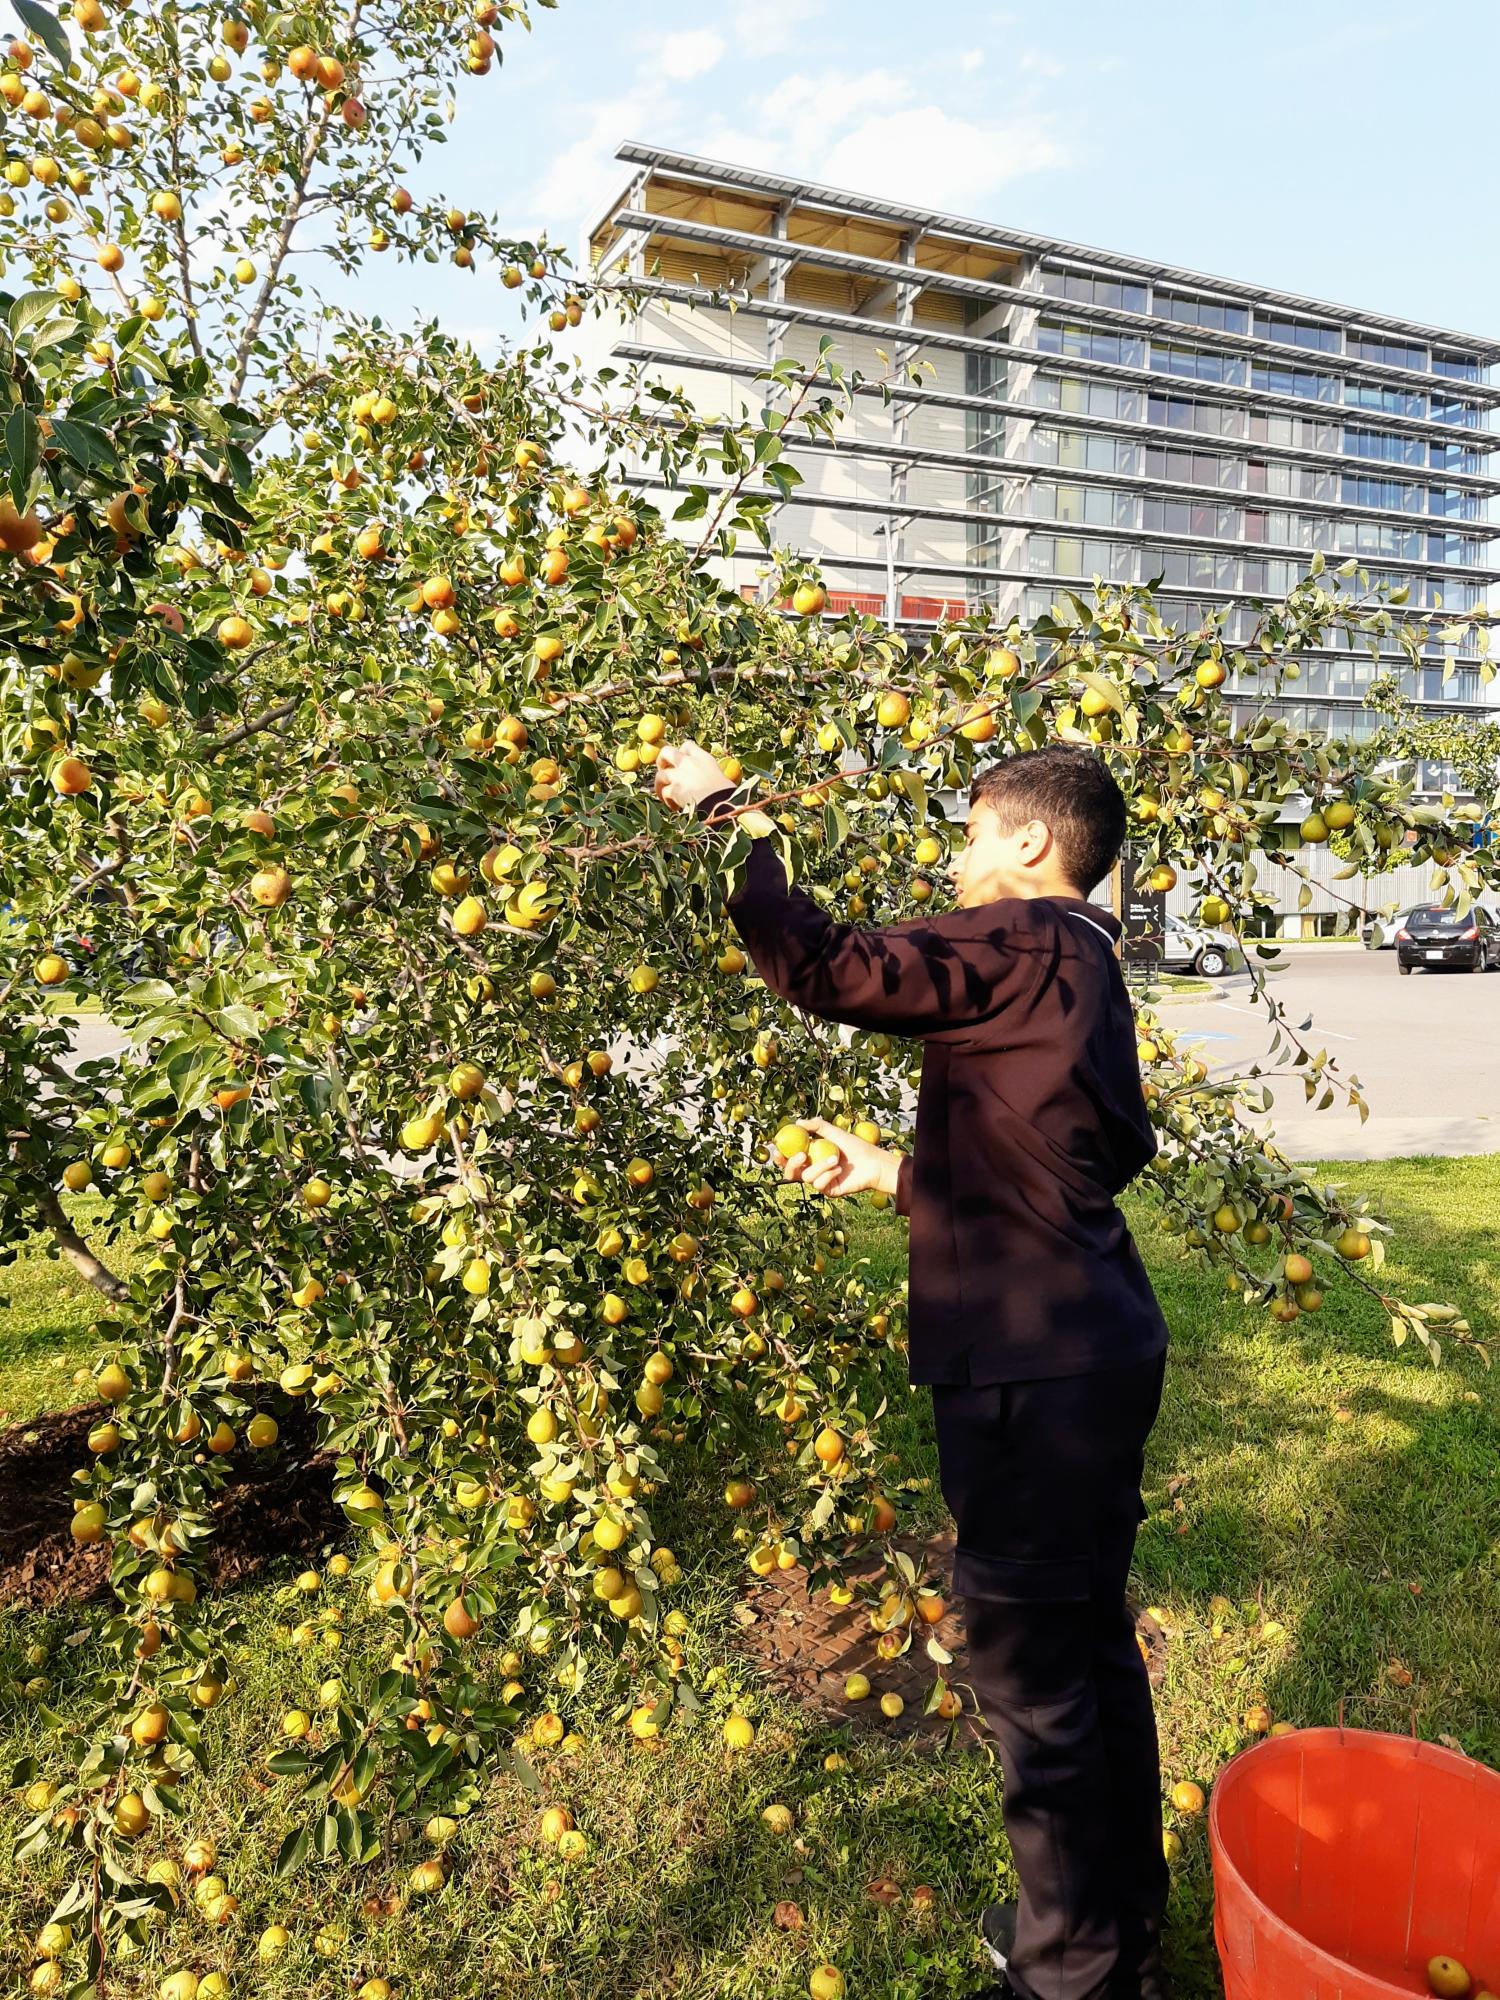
[(905, 350)]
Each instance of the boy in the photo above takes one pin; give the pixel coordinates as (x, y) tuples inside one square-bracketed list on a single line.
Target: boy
[(1031, 1317)]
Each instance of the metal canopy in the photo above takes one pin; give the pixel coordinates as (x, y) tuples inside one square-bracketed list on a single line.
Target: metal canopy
[(696, 167)]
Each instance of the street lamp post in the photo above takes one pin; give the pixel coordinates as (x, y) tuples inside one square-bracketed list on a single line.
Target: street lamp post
[(886, 530)]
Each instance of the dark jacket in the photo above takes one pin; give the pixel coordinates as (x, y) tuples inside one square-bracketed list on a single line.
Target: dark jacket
[(1030, 1117)]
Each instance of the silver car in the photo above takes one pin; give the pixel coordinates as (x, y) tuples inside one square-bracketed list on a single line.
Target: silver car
[(1192, 948)]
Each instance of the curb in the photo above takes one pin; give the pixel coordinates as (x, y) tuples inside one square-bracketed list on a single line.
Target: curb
[(1215, 992)]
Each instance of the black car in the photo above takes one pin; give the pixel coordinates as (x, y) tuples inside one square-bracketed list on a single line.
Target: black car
[(1434, 936)]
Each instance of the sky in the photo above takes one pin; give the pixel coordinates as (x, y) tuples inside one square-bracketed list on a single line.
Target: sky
[(1329, 149)]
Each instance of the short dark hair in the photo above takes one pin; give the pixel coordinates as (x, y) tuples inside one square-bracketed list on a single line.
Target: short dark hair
[(1074, 792)]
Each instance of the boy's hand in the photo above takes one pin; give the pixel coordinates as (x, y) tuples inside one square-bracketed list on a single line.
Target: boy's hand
[(857, 1166), (686, 774)]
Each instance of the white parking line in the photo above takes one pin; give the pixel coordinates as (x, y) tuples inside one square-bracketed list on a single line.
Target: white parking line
[(1256, 1013)]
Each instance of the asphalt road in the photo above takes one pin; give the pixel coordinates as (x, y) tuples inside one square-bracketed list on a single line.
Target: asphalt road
[(1426, 1052)]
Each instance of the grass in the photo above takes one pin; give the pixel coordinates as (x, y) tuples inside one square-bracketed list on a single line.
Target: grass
[(46, 1311), (1309, 1475), (1172, 985)]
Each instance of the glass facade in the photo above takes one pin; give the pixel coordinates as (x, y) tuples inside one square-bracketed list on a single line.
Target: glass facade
[(1220, 486), (1085, 417)]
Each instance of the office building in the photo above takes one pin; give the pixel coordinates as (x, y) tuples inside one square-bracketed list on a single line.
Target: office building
[(1079, 412)]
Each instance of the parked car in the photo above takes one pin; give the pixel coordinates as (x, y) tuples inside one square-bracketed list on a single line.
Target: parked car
[(1388, 927), (1190, 947), (1434, 936)]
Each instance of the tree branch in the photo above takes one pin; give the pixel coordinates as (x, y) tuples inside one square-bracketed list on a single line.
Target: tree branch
[(267, 721), (77, 1252)]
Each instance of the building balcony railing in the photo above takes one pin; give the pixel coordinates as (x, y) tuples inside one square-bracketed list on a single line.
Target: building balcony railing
[(973, 578), (972, 517), (917, 336), (785, 254), (978, 462), (1173, 437), (838, 204), (925, 335)]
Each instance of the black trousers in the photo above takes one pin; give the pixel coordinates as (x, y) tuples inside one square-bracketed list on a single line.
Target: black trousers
[(1043, 1480)]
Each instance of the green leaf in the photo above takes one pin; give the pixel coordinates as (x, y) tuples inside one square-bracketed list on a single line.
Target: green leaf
[(28, 309), (85, 444), (49, 31), (1105, 688), (294, 1851), (21, 450), (51, 336)]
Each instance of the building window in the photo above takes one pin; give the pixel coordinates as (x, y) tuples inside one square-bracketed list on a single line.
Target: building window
[(1089, 290), (1180, 413), (1451, 549), (1091, 399), (1194, 468), (1462, 367), (1283, 381), (1389, 353), (1361, 491), (1470, 415), (985, 375), (1086, 343), (1378, 396), (1298, 333), (1457, 506), (1299, 433), (1199, 364), (1381, 444), (1189, 311)]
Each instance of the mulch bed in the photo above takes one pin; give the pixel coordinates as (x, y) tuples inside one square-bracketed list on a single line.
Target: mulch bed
[(807, 1647), (277, 1503), (280, 1504)]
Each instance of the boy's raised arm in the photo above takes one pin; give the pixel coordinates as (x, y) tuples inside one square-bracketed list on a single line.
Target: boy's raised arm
[(910, 978)]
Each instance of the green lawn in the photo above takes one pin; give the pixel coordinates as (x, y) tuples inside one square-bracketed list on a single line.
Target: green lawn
[(1311, 1476), (45, 1313)]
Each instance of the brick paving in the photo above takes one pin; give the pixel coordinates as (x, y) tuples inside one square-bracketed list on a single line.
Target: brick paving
[(807, 1647)]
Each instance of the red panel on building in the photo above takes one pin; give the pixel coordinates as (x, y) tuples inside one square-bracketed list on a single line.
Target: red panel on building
[(934, 607)]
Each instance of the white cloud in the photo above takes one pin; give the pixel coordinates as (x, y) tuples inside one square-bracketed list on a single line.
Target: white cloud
[(925, 154), (875, 130), (485, 339), (1034, 63), (805, 105), (768, 27), (693, 52), (581, 177)]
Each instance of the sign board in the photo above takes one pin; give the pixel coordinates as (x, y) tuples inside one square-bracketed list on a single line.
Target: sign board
[(1142, 913)]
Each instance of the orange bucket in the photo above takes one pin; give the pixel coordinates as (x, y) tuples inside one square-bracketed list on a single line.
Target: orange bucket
[(1345, 1859)]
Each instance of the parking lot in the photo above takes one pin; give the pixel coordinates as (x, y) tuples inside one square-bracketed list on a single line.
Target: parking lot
[(1426, 1051)]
